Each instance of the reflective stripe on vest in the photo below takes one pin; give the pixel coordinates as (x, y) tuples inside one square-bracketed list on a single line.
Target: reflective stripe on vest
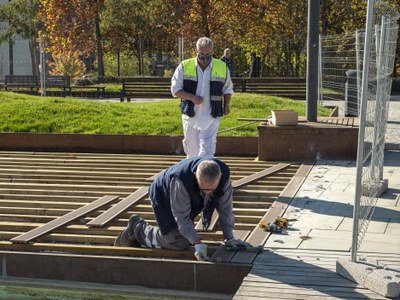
[(218, 78)]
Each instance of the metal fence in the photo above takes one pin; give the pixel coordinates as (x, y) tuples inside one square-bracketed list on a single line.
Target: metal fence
[(340, 64), (378, 61)]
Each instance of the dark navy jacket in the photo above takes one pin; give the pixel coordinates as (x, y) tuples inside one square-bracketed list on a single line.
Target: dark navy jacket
[(159, 191)]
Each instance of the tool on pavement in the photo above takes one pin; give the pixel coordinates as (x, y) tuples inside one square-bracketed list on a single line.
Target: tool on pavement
[(257, 249), (281, 222), (277, 226)]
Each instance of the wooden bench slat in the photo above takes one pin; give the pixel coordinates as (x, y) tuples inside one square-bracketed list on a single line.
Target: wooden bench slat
[(52, 225), (111, 213)]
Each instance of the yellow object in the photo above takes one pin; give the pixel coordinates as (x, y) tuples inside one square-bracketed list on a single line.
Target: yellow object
[(281, 222), (262, 224)]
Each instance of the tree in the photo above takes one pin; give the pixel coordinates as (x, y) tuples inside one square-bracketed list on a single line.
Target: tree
[(73, 26), (20, 15)]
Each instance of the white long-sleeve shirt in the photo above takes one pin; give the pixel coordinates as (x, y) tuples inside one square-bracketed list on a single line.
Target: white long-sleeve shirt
[(181, 208), (202, 118)]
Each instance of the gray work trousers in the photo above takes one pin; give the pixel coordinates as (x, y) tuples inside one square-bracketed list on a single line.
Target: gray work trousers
[(150, 236)]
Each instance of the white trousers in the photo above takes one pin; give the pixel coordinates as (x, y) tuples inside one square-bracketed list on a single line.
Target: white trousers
[(200, 142)]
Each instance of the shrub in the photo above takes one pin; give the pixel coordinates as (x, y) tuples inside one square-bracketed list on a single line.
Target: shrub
[(67, 63)]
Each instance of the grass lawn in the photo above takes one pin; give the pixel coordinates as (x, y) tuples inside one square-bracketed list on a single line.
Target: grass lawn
[(25, 113), (17, 292)]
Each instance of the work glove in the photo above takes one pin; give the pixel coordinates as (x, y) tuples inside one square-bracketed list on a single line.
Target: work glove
[(235, 243), (200, 252)]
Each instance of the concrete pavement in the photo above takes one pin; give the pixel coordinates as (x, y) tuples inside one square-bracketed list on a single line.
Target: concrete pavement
[(301, 263), (323, 207)]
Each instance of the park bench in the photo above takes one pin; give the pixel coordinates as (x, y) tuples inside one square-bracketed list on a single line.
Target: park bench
[(21, 82), (75, 89), (289, 87), (159, 87), (145, 87), (61, 82)]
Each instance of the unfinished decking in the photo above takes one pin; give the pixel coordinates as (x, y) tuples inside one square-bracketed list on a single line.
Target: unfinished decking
[(37, 188)]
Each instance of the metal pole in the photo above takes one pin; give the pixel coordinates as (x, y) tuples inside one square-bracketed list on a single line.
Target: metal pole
[(320, 93), (42, 67), (380, 101), (10, 53), (180, 49), (312, 60), (358, 63), (361, 133)]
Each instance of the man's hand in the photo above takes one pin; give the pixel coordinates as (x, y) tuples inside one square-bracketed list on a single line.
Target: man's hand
[(197, 100), (237, 243), (200, 252)]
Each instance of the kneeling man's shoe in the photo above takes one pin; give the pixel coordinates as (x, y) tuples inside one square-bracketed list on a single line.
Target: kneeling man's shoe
[(126, 238)]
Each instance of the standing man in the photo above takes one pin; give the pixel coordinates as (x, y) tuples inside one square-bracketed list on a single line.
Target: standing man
[(178, 195), (227, 58), (205, 88), (255, 65)]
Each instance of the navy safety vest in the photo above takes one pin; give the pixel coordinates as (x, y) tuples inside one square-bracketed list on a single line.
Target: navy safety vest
[(159, 191), (218, 78)]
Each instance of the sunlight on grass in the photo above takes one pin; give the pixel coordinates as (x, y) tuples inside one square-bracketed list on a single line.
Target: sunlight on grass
[(24, 113)]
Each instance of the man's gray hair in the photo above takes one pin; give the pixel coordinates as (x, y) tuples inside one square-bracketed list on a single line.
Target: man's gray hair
[(209, 171), (204, 42)]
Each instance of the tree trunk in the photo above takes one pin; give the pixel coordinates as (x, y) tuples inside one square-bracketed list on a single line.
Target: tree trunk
[(100, 63), (34, 50)]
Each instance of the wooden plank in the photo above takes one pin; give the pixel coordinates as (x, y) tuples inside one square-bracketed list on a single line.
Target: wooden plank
[(258, 175), (151, 178), (214, 219), (85, 249), (221, 255), (258, 235), (110, 214), (52, 225)]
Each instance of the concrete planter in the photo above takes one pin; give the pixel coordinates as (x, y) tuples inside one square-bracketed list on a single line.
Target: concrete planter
[(307, 141), (146, 144)]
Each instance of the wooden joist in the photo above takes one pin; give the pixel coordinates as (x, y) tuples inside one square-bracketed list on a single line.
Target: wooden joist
[(52, 225), (109, 250), (38, 188), (118, 208), (258, 175)]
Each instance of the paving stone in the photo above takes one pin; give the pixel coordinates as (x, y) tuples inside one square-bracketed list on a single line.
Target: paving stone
[(393, 228), (327, 240)]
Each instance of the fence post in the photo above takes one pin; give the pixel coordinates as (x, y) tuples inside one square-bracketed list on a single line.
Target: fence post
[(361, 132), (42, 67)]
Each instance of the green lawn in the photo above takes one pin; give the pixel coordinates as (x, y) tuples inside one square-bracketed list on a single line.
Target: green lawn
[(24, 113)]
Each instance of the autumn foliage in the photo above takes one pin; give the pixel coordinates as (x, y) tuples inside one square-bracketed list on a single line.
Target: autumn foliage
[(275, 29), (67, 62)]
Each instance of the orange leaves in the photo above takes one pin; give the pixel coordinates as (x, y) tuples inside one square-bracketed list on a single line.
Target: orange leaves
[(69, 24), (67, 62)]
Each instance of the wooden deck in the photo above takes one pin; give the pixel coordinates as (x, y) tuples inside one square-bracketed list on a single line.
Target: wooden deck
[(37, 188), (305, 274)]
